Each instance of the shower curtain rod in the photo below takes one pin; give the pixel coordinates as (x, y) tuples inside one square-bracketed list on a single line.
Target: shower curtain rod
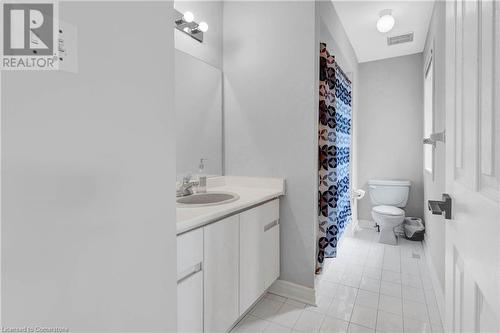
[(342, 72)]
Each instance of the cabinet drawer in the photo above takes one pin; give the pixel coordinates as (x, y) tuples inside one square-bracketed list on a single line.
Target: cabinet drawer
[(189, 253)]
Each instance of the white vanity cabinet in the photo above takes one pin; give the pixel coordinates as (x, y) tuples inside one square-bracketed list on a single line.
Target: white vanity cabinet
[(224, 267), (221, 259), (259, 251), (190, 281)]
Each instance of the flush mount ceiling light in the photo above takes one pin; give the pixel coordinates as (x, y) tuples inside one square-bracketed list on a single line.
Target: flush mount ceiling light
[(185, 23), (386, 21)]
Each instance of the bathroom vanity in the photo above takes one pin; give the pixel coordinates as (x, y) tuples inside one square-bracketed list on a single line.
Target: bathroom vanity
[(228, 250), (227, 254)]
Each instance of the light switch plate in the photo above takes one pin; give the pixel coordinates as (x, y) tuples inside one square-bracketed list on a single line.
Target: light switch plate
[(68, 47)]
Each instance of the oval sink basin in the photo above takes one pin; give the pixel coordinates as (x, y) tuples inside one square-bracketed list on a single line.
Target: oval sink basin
[(207, 199)]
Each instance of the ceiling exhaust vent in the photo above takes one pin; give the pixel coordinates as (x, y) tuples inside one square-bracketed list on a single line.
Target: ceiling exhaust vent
[(406, 38)]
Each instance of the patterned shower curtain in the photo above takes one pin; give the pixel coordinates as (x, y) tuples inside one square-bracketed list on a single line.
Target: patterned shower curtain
[(333, 156)]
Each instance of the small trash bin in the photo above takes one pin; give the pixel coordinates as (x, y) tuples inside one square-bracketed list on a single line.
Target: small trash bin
[(399, 230), (414, 228)]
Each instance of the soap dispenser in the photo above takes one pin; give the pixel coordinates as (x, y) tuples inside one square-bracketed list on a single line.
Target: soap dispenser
[(202, 177)]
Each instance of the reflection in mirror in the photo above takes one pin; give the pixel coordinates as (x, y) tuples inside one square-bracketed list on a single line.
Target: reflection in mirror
[(198, 107)]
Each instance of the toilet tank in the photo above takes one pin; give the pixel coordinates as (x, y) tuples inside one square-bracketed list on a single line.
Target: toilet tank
[(389, 192)]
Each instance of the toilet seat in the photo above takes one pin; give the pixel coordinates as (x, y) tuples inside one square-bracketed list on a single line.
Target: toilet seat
[(388, 210)]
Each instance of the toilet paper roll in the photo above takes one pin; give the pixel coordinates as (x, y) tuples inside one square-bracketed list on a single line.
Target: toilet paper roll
[(358, 193)]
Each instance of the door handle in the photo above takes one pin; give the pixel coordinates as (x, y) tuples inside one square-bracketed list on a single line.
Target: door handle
[(440, 207), (434, 138)]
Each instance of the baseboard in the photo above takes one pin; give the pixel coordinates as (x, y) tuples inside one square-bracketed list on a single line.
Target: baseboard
[(294, 291), (438, 291), (365, 224)]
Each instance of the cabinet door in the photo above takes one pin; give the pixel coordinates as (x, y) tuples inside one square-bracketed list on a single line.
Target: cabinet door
[(221, 278), (259, 251), (190, 304), (268, 216), (271, 253), (190, 282), (251, 253)]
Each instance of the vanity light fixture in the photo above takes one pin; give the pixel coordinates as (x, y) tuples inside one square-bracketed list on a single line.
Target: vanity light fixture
[(185, 23), (203, 26), (386, 21), (185, 18), (188, 17)]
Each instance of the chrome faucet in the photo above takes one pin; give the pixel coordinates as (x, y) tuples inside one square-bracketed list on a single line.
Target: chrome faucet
[(186, 187)]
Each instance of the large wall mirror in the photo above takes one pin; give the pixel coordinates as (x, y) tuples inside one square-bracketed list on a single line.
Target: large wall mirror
[(198, 107)]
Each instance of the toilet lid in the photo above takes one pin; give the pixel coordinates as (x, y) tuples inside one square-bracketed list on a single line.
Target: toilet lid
[(389, 210)]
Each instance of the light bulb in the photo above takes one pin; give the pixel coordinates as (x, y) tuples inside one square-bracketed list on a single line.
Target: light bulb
[(188, 17), (203, 26), (385, 23)]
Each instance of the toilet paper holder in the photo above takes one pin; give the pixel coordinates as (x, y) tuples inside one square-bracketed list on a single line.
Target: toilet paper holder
[(440, 207), (357, 194)]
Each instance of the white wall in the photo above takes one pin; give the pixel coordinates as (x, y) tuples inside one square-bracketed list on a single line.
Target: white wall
[(334, 49), (210, 50), (435, 186), (390, 126), (270, 110), (332, 29), (88, 161)]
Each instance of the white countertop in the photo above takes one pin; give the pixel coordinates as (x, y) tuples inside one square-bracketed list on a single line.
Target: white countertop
[(252, 191)]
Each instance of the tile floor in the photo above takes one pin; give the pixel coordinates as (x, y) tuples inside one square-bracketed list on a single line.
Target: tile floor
[(370, 287)]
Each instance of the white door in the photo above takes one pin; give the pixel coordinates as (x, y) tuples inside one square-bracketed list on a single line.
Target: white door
[(221, 278), (472, 166)]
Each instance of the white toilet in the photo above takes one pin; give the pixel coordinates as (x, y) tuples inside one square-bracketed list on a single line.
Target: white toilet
[(388, 197)]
